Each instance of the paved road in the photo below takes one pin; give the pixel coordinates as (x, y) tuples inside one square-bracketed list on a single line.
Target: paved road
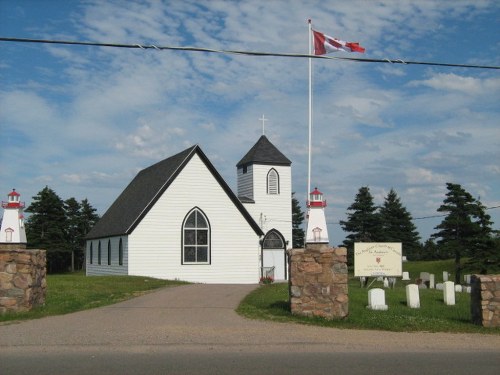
[(193, 329)]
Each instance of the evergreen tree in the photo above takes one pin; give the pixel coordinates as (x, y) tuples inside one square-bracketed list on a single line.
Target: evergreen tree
[(397, 225), (363, 223), (460, 230), (297, 220), (46, 228), (486, 254), (72, 209), (88, 218)]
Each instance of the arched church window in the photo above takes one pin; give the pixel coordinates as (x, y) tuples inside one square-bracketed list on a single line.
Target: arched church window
[(109, 252), (273, 240), (99, 253), (195, 238), (120, 252), (273, 182), (91, 255)]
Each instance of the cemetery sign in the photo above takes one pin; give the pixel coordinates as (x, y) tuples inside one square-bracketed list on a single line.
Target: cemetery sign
[(378, 259)]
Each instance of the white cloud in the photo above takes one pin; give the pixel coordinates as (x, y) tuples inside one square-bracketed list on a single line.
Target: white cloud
[(90, 118), (454, 82)]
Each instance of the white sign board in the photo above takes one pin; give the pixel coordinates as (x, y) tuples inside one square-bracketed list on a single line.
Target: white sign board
[(378, 259)]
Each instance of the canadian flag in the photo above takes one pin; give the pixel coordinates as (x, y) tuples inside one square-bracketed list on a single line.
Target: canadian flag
[(325, 44)]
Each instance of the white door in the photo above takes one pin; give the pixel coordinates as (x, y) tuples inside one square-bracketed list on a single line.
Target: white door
[(275, 258)]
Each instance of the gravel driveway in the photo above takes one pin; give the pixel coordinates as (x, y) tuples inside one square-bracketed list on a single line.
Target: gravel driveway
[(201, 317)]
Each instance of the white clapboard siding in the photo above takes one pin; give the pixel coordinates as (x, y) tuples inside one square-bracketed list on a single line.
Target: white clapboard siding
[(95, 269), (245, 182), (272, 211), (155, 244)]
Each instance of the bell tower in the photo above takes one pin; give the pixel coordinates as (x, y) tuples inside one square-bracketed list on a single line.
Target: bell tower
[(12, 231), (317, 231)]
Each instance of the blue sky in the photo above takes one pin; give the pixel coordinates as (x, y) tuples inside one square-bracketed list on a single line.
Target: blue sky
[(85, 120)]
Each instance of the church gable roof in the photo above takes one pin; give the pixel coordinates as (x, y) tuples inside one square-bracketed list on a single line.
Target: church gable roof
[(264, 152), (147, 187)]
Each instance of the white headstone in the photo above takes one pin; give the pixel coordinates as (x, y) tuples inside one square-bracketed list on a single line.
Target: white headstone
[(404, 258), (445, 276), (424, 276), (392, 282), (362, 281), (431, 281), (439, 286), (412, 296), (467, 289), (386, 282), (406, 276), (449, 293), (467, 279), (458, 288), (376, 299)]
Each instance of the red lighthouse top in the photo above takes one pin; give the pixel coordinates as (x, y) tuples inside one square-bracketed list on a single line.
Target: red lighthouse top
[(316, 199), (13, 201)]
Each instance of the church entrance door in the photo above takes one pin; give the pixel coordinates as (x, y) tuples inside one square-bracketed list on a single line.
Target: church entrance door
[(274, 255)]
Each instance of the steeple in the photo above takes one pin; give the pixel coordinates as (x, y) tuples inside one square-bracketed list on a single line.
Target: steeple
[(317, 231), (12, 230)]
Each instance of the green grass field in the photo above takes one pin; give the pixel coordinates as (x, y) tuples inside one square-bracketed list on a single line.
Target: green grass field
[(270, 302)]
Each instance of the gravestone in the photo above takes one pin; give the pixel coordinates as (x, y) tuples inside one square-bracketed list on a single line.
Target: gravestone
[(386, 282), (376, 299), (458, 288), (406, 276), (412, 296), (425, 276), (467, 279), (445, 276), (467, 289), (439, 286), (392, 282), (449, 293), (431, 281)]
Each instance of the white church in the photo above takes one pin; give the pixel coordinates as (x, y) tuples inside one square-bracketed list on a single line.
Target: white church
[(179, 219)]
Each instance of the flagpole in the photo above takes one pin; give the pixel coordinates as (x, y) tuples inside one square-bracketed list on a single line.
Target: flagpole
[(310, 113)]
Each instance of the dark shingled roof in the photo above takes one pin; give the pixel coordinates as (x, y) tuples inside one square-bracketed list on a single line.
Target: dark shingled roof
[(147, 187), (264, 152)]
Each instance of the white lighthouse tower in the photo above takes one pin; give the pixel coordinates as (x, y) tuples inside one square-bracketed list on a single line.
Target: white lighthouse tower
[(12, 232), (317, 232)]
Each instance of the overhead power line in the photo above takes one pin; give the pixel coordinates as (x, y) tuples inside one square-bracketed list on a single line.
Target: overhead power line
[(247, 53)]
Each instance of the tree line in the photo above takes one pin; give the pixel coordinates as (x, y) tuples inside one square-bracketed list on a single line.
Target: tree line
[(465, 231), (59, 227)]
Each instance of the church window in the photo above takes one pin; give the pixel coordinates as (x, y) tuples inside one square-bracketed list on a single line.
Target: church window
[(91, 255), (120, 253), (99, 253), (273, 182), (196, 238), (273, 240), (109, 252)]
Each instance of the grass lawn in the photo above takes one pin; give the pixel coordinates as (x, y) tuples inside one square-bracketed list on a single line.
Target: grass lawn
[(72, 292), (270, 302)]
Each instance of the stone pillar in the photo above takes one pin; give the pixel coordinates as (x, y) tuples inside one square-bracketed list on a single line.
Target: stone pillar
[(318, 281), (22, 279), (485, 300)]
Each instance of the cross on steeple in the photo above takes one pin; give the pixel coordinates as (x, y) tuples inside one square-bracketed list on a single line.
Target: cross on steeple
[(263, 119)]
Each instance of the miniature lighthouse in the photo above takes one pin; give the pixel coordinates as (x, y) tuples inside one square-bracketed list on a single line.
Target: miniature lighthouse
[(317, 231), (12, 231)]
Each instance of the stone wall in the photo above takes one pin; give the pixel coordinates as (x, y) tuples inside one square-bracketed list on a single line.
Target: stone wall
[(318, 282), (485, 300), (12, 246), (22, 279)]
